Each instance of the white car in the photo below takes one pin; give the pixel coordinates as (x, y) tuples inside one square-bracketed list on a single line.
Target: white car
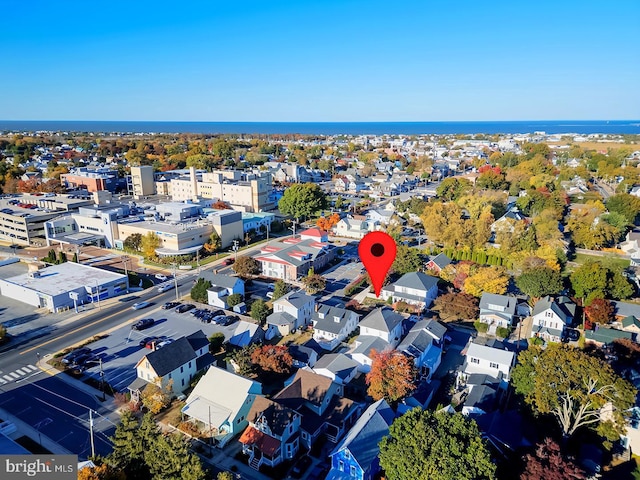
[(165, 287), (140, 305), (161, 277)]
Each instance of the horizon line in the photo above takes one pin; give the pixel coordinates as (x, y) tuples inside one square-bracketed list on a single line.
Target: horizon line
[(335, 121)]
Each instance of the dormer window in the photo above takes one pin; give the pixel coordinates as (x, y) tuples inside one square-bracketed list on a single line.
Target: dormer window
[(336, 319)]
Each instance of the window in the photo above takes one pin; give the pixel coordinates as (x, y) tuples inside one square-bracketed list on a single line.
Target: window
[(341, 466), (182, 369), (353, 471), (493, 365), (183, 382), (474, 360)]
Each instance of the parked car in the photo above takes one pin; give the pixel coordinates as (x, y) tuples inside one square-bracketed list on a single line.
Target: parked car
[(140, 305), (80, 360), (170, 305), (571, 335), (71, 357), (164, 343), (269, 295), (143, 323), (219, 318), (217, 312), (143, 343), (185, 308), (153, 341), (161, 277), (228, 320), (300, 466)]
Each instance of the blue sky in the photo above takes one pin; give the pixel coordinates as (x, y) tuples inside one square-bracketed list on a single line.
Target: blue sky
[(320, 60)]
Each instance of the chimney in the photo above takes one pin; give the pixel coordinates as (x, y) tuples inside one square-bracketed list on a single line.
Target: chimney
[(317, 307), (194, 183)]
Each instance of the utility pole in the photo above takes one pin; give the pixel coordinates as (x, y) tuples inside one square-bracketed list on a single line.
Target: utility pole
[(175, 281), (102, 381), (93, 447), (97, 292)]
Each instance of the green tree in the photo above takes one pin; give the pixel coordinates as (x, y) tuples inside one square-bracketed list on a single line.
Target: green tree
[(574, 387), (170, 459), (314, 283), (339, 202), (150, 242), (246, 266), (234, 299), (225, 476), (453, 188), (216, 341), (129, 447), (242, 359), (260, 311), (626, 205), (426, 445), (199, 290), (540, 281), (594, 279), (407, 260), (133, 242), (302, 200), (280, 288)]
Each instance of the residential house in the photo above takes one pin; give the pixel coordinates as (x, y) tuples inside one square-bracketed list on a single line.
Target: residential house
[(341, 184), (338, 367), (273, 434), (631, 324), (420, 398), (381, 216), (246, 333), (625, 309), (551, 317), (507, 222), (497, 311), (383, 323), (319, 401), (356, 457), (365, 345), (487, 360), (221, 287), (351, 228), (220, 403), (482, 394), (438, 263), (303, 356), (423, 345), (332, 325), (174, 365), (298, 305), (631, 246), (415, 288), (316, 234), (601, 336)]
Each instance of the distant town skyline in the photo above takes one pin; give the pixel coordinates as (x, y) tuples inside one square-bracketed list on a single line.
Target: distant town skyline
[(320, 61)]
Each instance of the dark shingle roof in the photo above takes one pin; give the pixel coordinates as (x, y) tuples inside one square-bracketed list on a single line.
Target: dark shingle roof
[(197, 340), (276, 415), (325, 318), (383, 319), (306, 385), (171, 357)]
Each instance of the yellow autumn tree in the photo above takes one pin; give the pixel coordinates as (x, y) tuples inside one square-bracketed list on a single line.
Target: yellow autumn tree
[(487, 279)]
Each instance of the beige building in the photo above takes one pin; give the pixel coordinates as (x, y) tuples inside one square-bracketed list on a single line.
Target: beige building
[(248, 192), (142, 181), (176, 239)]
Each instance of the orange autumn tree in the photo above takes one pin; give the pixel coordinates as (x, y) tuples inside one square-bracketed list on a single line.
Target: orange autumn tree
[(101, 472), (327, 223), (273, 358), (391, 376)]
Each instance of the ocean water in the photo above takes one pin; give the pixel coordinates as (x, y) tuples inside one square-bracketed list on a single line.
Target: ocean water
[(329, 128)]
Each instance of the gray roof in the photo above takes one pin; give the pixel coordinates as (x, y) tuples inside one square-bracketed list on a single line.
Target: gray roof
[(382, 319), (441, 260), (488, 300), (501, 357), (415, 343), (368, 343), (219, 280), (297, 298), (363, 438), (325, 318), (301, 353), (173, 356), (624, 309), (197, 340), (435, 328), (482, 397), (338, 364), (417, 280), (281, 318), (560, 309)]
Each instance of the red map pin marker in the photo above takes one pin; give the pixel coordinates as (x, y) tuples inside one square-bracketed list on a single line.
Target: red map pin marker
[(377, 251)]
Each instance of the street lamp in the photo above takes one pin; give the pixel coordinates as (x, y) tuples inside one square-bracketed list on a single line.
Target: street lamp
[(235, 248), (97, 291)]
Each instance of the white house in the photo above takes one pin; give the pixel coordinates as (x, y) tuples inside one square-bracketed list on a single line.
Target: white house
[(338, 367), (221, 402), (551, 317), (415, 288), (380, 216), (490, 361), (497, 311), (332, 325), (298, 305), (383, 323), (221, 287), (174, 364), (352, 228), (364, 346)]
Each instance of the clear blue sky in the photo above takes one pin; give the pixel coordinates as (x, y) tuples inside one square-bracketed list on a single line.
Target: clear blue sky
[(320, 60)]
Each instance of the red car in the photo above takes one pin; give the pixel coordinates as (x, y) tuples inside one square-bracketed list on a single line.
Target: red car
[(228, 261)]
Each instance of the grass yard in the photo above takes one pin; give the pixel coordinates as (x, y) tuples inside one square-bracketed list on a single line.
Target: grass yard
[(607, 259)]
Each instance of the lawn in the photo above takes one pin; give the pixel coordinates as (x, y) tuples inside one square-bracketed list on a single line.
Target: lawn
[(607, 259)]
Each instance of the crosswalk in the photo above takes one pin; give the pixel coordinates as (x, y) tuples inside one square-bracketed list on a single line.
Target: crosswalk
[(22, 372)]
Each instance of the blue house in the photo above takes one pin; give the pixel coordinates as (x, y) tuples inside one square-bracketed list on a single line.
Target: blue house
[(356, 457)]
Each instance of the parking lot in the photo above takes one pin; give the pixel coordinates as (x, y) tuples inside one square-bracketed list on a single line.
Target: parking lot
[(121, 350)]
